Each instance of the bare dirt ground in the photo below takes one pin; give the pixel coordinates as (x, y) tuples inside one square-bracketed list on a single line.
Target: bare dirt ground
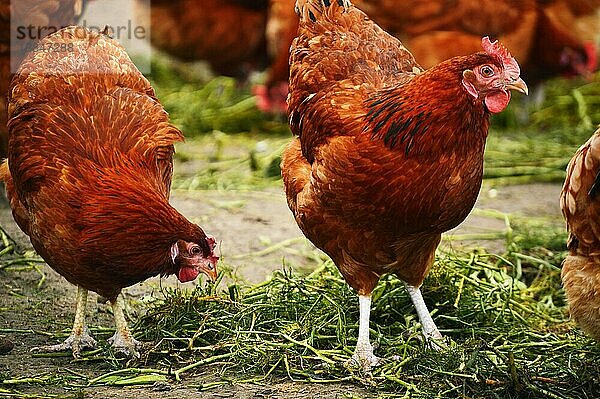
[(248, 225)]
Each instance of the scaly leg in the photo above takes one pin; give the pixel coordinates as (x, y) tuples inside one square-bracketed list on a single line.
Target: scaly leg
[(123, 342), (80, 337), (432, 336), (363, 354)]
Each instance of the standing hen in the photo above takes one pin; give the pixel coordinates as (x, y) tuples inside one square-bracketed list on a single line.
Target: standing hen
[(388, 156), (88, 175), (580, 203)]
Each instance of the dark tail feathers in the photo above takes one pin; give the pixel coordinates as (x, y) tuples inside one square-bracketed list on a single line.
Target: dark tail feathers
[(312, 10)]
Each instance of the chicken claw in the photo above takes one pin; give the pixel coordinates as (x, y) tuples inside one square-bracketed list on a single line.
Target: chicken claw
[(75, 343), (125, 344), (80, 337), (437, 342), (434, 339), (364, 358), (123, 341)]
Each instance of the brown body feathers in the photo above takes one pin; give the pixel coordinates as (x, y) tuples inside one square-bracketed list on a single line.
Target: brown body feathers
[(90, 159), (580, 203), (23, 14), (388, 156)]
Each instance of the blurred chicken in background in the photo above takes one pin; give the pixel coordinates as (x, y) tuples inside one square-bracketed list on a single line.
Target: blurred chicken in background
[(228, 34), (237, 37), (551, 37), (438, 30), (25, 14), (566, 40)]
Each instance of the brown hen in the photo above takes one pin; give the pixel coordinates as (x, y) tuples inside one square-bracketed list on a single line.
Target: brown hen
[(88, 175), (388, 156), (580, 204), (566, 39)]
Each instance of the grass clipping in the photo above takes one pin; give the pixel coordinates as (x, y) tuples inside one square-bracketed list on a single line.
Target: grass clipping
[(505, 319)]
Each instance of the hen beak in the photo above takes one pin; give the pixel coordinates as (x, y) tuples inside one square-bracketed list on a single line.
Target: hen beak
[(211, 271), (210, 267), (518, 85)]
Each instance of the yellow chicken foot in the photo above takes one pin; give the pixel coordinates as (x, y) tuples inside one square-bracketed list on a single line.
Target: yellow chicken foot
[(122, 341), (363, 356), (80, 337), (433, 337)]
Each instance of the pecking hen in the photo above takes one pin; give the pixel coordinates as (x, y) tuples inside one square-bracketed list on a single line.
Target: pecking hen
[(388, 155), (580, 204), (88, 176)]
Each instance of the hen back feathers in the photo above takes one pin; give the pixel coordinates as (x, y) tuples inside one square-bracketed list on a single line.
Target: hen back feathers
[(581, 208), (579, 202), (26, 13), (75, 116), (339, 53)]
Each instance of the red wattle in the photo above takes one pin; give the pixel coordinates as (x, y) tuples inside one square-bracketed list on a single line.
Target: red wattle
[(186, 274), (497, 101)]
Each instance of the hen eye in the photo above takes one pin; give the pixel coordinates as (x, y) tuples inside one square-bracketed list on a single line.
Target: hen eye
[(195, 250), (487, 71)]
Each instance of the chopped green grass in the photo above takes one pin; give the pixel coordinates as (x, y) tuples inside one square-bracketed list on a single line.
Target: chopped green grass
[(505, 317), (199, 104), (218, 161)]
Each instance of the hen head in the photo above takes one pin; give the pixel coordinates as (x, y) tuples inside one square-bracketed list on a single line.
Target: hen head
[(493, 80), (192, 258)]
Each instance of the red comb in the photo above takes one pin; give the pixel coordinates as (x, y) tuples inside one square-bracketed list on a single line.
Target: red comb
[(501, 53), (495, 49)]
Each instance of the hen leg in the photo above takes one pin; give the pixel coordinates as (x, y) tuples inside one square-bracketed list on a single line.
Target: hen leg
[(80, 337), (432, 336), (363, 354), (123, 342)]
